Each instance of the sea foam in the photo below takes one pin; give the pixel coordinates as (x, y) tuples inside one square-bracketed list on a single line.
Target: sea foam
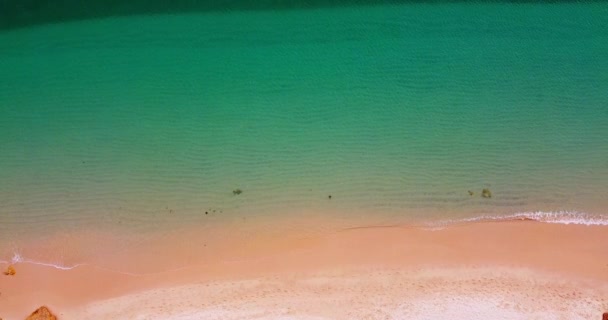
[(559, 217)]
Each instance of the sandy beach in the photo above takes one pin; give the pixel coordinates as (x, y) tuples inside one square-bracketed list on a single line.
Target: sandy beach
[(304, 159), (498, 270)]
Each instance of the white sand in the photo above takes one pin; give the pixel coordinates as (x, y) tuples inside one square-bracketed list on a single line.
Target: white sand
[(464, 293)]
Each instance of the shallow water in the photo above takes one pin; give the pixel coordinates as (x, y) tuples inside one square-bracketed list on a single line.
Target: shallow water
[(147, 122)]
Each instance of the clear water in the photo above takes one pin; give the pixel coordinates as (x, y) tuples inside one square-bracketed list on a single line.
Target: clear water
[(395, 111)]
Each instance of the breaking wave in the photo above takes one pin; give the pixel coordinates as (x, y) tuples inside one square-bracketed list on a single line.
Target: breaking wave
[(559, 217)]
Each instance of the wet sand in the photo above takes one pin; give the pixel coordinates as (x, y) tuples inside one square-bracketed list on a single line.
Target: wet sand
[(500, 270)]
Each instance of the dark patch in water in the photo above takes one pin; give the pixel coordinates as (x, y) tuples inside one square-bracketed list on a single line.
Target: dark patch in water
[(23, 13)]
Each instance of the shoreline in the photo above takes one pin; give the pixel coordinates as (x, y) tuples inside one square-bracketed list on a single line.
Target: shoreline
[(562, 257)]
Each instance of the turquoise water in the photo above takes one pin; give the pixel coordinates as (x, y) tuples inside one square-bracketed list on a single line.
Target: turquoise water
[(395, 111)]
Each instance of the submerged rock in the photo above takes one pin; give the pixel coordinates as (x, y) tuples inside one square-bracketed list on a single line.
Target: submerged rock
[(10, 271), (471, 193), (486, 193), (42, 313), (236, 192)]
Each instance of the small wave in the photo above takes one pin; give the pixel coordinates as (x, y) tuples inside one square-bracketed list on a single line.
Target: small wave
[(17, 258), (559, 217)]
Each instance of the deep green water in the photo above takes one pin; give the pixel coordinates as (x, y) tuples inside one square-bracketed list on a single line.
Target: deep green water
[(395, 111), (22, 13)]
